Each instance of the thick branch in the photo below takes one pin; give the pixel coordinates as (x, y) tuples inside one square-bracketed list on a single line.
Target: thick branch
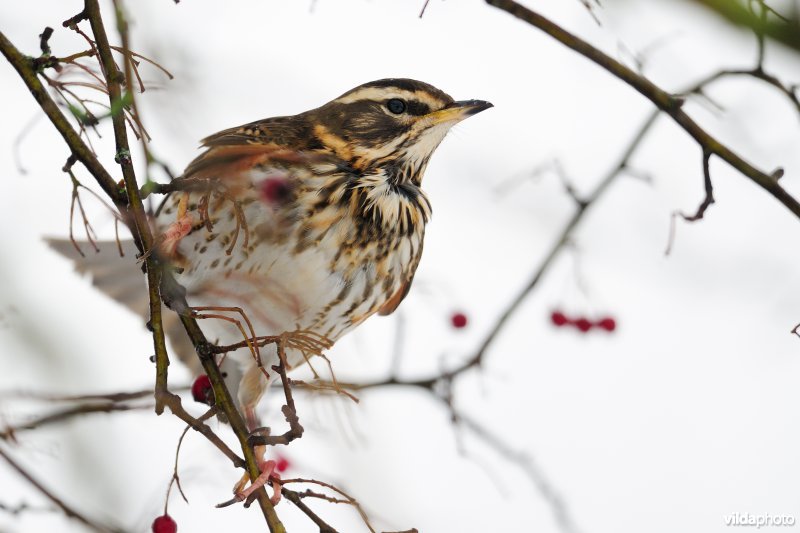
[(24, 67), (662, 99), (563, 238), (135, 211)]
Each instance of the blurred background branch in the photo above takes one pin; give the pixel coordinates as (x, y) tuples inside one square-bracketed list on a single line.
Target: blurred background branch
[(783, 27), (441, 385)]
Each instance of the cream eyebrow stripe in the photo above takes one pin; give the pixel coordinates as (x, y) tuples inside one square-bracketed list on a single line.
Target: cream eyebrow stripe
[(384, 93)]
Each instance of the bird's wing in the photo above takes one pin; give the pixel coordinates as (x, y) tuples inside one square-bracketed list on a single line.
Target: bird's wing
[(292, 132), (237, 149)]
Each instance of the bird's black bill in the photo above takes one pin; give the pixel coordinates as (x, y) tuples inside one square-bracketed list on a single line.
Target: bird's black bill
[(471, 107)]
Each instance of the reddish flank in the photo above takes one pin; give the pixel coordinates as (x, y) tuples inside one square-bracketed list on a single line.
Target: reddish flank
[(202, 391), (459, 320), (164, 524), (583, 324), (275, 190)]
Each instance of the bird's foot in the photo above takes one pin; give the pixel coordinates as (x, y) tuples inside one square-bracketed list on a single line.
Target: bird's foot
[(184, 221), (307, 342), (268, 475)]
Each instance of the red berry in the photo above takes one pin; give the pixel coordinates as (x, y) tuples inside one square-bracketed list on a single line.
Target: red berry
[(607, 323), (275, 190), (558, 318), (202, 391), (281, 464), (583, 324), (164, 524), (459, 320)]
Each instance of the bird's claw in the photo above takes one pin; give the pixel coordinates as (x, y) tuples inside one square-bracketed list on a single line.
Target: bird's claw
[(268, 474)]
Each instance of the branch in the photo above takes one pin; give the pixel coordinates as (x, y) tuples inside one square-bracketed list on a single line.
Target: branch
[(157, 276), (66, 509), (130, 205), (667, 103), (786, 31), (294, 497), (709, 198), (24, 67), (526, 463), (561, 241), (65, 414), (756, 73), (289, 411)]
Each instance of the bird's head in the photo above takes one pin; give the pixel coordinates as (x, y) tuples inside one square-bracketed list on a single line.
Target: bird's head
[(391, 123)]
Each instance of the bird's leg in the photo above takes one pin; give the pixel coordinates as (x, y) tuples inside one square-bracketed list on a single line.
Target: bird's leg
[(250, 340), (178, 229), (267, 467)]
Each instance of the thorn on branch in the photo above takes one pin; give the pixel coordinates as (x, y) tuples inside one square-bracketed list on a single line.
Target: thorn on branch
[(709, 198), (701, 209), (45, 60), (72, 22), (44, 37), (71, 160)]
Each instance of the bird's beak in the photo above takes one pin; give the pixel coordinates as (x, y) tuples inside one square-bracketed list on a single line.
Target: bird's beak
[(458, 111)]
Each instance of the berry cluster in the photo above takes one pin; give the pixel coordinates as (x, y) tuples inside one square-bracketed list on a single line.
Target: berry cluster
[(583, 324)]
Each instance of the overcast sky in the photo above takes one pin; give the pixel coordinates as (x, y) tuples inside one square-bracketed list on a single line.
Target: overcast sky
[(686, 414)]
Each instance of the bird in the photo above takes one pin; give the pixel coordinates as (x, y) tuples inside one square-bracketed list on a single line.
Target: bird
[(308, 223)]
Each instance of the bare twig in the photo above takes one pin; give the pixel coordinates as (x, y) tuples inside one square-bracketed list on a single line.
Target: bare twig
[(709, 198), (65, 414), (68, 510), (289, 410), (295, 498), (345, 498), (664, 101), (424, 7), (526, 463), (79, 149)]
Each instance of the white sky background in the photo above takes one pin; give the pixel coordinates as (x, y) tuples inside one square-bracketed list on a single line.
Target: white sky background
[(686, 414)]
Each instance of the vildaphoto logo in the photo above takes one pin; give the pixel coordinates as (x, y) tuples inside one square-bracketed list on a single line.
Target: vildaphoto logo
[(759, 520)]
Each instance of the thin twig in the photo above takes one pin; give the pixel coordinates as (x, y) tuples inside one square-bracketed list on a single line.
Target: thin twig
[(69, 511), (526, 463), (663, 100)]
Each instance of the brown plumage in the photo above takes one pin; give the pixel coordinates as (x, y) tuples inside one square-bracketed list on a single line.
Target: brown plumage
[(312, 222)]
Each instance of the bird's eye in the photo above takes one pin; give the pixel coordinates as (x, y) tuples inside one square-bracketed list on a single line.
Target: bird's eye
[(396, 106)]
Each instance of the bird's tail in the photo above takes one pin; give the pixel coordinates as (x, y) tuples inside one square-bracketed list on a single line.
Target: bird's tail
[(122, 279)]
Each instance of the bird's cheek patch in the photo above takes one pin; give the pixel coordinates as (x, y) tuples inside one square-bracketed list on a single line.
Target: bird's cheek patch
[(275, 189)]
